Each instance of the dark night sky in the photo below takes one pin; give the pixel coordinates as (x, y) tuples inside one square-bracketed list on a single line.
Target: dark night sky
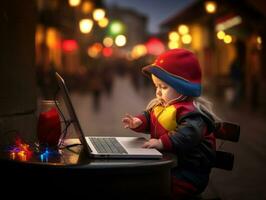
[(156, 10)]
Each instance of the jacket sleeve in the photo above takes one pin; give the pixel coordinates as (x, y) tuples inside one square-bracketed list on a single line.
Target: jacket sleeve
[(188, 134), (167, 144), (145, 126)]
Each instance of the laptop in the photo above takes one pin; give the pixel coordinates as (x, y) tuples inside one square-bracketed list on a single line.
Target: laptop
[(106, 147)]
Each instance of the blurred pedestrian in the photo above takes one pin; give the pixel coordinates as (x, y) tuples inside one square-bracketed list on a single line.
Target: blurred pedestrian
[(96, 87), (108, 79), (254, 78), (237, 75)]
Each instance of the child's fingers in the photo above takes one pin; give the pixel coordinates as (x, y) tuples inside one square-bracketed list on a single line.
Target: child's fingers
[(129, 116), (126, 120), (146, 145)]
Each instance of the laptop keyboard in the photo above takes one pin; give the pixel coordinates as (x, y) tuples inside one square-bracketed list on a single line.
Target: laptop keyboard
[(107, 145)]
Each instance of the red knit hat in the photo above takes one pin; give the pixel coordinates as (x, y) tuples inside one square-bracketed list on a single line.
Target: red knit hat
[(180, 69)]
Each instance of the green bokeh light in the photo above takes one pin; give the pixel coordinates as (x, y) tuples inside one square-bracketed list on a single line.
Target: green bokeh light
[(116, 28)]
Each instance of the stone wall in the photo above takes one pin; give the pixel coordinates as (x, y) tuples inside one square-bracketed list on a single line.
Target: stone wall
[(17, 70)]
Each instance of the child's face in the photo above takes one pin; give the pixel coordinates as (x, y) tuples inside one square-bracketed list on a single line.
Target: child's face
[(164, 91)]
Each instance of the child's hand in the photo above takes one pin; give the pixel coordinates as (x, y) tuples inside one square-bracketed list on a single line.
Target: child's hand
[(131, 122), (153, 143)]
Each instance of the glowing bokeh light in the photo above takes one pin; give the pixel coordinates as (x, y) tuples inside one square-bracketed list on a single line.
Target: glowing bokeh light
[(98, 14), (174, 36), (186, 39), (220, 35), (74, 3), (227, 39), (87, 7), (116, 28), (108, 41), (210, 6), (173, 44), (138, 51), (95, 50), (183, 29), (155, 46), (85, 25), (51, 37), (103, 22), (107, 52), (120, 40), (69, 45), (259, 40)]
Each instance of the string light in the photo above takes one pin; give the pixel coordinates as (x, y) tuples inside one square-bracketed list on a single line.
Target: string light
[(20, 151), (44, 156)]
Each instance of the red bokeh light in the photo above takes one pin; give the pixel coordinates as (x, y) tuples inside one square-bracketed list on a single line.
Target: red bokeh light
[(69, 45), (155, 46), (107, 52)]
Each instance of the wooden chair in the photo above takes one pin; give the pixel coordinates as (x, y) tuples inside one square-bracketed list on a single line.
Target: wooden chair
[(226, 131)]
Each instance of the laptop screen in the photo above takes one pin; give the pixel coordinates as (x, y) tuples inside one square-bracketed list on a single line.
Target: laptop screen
[(71, 112)]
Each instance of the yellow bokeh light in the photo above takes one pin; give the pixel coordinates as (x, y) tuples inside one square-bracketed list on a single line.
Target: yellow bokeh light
[(74, 3), (183, 29), (92, 53), (186, 39), (85, 25), (259, 40), (120, 40), (98, 46), (173, 44), (220, 35), (138, 51), (210, 6), (103, 22), (174, 36), (227, 39), (51, 37), (39, 34), (108, 42), (87, 7), (95, 50), (98, 14)]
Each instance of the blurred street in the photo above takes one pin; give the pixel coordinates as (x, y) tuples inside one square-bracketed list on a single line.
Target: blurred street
[(246, 181)]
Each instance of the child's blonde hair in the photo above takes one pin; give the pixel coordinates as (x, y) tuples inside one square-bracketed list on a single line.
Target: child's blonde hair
[(204, 105)]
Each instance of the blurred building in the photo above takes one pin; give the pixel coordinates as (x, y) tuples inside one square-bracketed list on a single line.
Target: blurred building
[(134, 25), (60, 42), (221, 33)]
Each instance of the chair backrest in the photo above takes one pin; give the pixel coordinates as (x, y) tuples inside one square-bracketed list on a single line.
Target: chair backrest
[(229, 132)]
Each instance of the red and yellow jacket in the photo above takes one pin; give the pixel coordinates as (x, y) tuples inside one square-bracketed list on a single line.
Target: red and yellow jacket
[(183, 130)]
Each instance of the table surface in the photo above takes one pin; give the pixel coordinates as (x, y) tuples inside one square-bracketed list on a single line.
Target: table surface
[(61, 168), (75, 157)]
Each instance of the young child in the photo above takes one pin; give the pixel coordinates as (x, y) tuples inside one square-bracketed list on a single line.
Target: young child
[(179, 121)]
